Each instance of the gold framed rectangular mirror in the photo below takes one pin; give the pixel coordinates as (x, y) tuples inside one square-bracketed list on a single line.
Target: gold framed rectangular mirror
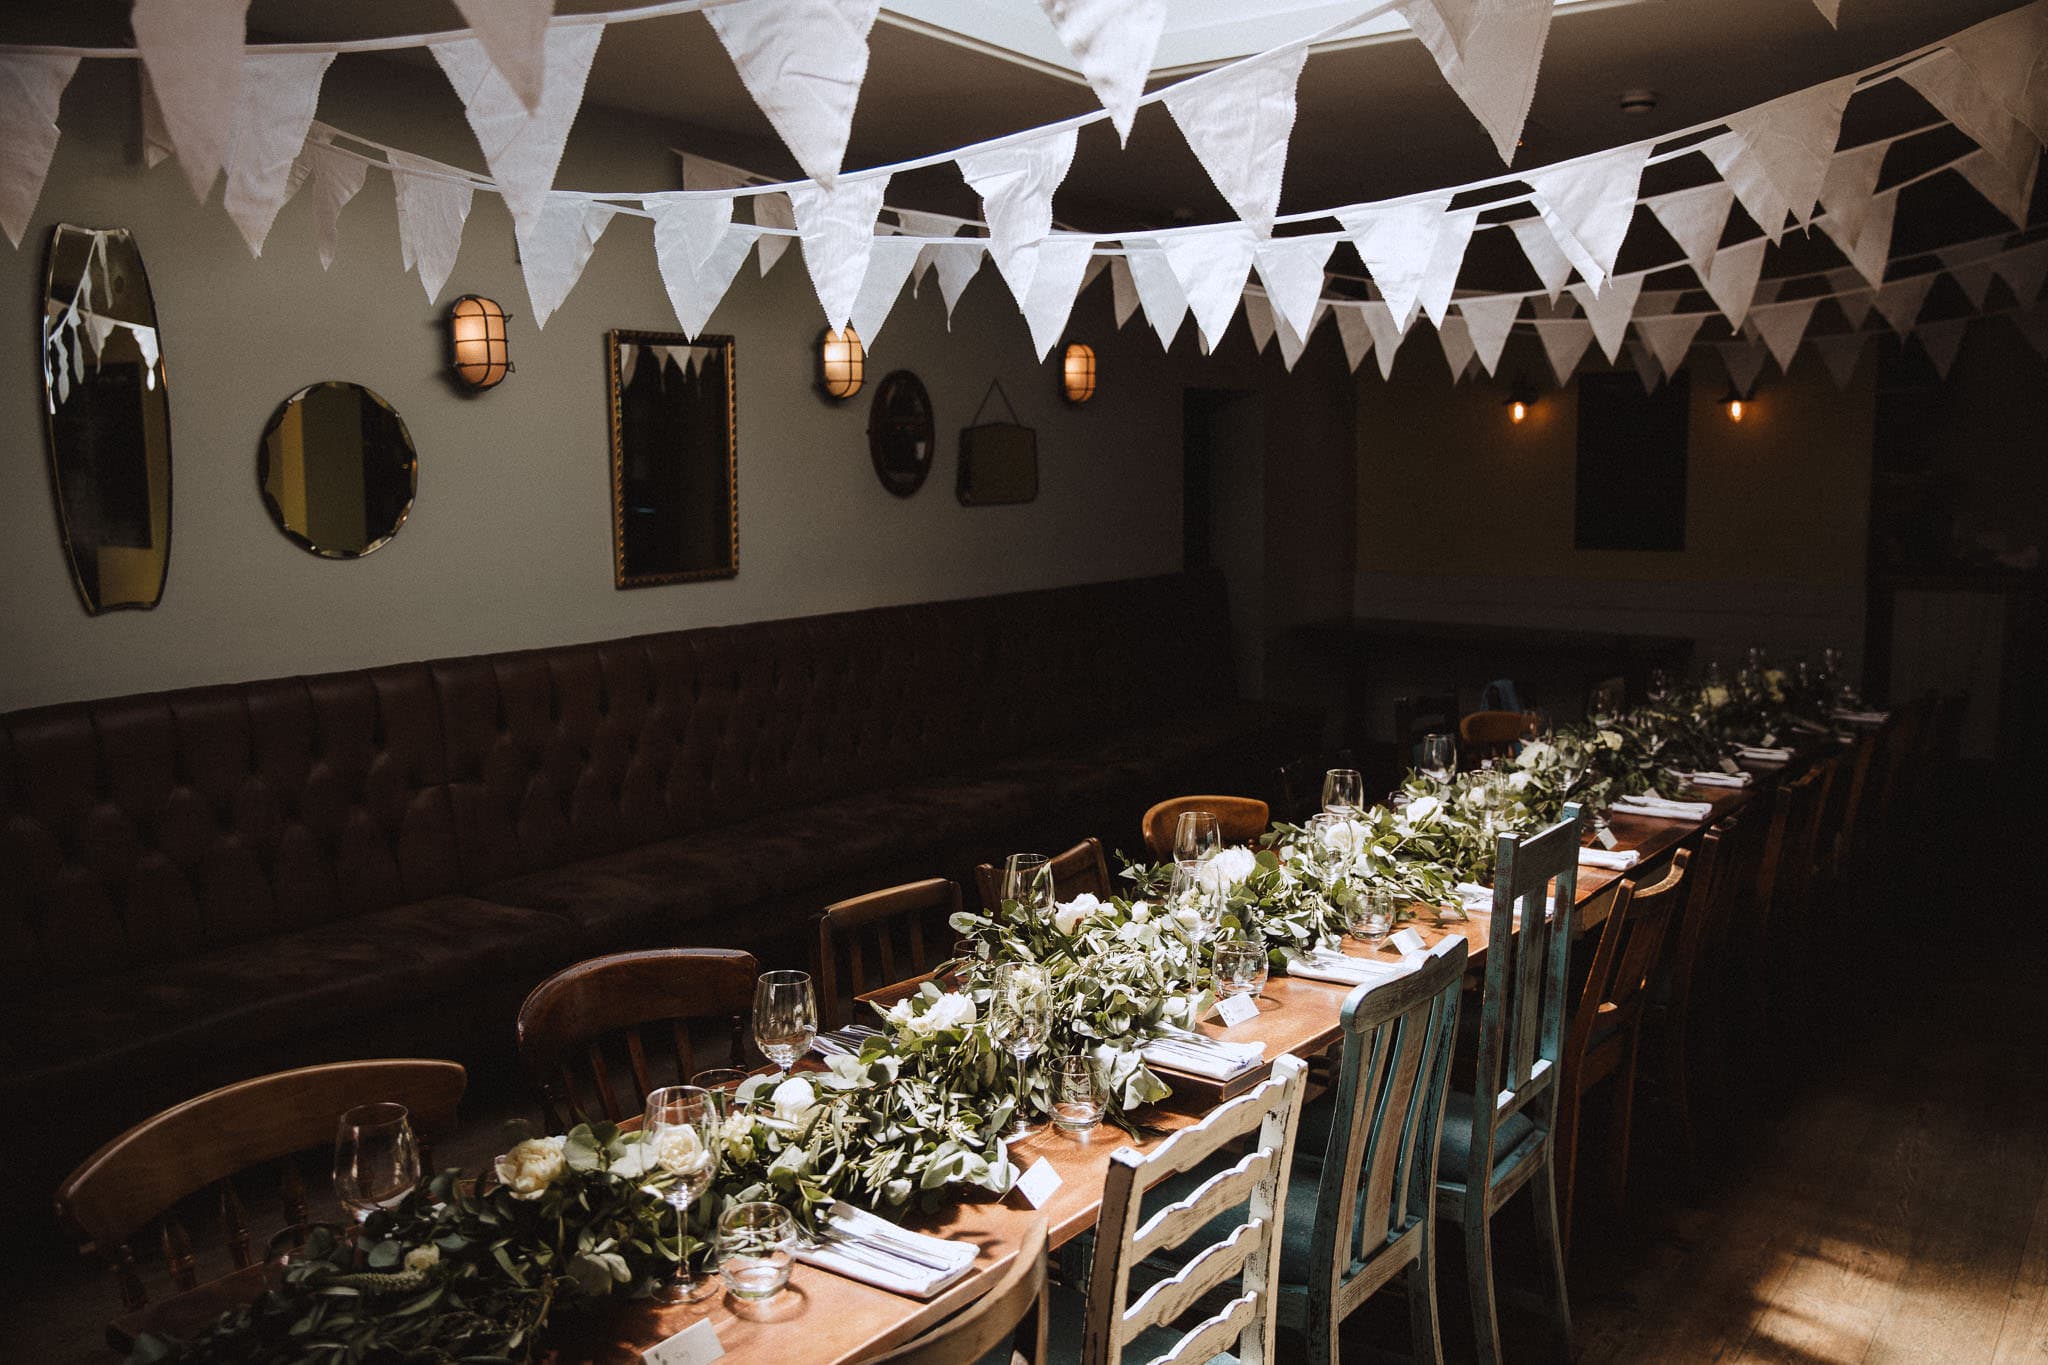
[(674, 439)]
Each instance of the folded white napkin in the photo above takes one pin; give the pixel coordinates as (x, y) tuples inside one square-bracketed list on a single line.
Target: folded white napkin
[(1215, 1059), (1613, 859), (879, 1254), (1758, 754), (1475, 899), (1861, 717), (1345, 970), (1663, 809), (1714, 779)]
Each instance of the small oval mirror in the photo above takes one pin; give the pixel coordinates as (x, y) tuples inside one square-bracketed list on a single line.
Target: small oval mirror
[(900, 436), (338, 470)]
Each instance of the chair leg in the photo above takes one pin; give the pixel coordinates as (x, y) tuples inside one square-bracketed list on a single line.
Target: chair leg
[(1550, 1251), (1479, 1278), (1624, 1118), (1678, 1091), (1426, 1339), (1564, 1147)]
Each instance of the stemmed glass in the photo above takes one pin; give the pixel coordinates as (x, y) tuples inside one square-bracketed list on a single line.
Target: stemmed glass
[(679, 1124), (785, 1017), (1343, 791), (1021, 1012), (376, 1158), (1440, 756), (1206, 896), (1196, 836), (1027, 880)]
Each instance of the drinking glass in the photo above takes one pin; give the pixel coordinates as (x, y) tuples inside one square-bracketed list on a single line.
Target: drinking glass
[(1343, 791), (1021, 1012), (1328, 842), (1372, 915), (785, 1017), (1077, 1093), (1440, 756), (756, 1246), (376, 1158), (1240, 967), (724, 1083), (1189, 889), (681, 1121), (1027, 880), (1196, 836)]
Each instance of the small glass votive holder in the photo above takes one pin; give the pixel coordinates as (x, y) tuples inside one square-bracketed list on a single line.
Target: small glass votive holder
[(1078, 1096), (1372, 915), (1240, 967), (756, 1248)]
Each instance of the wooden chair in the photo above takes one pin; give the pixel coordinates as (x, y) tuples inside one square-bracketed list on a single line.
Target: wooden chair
[(137, 1179), (1298, 789), (1080, 868), (569, 1020), (1267, 1117), (864, 932), (1240, 819), (1499, 1139), (1493, 734), (1677, 1016), (1606, 1027), (1363, 1210), (998, 1315), (1781, 914)]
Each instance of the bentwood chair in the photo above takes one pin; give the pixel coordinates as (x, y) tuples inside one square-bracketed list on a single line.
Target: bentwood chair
[(876, 936), (999, 1315), (1499, 1139), (1240, 820), (1779, 927), (1493, 734), (138, 1179), (659, 1004), (1682, 1016), (1606, 1028), (1081, 868), (1242, 1261)]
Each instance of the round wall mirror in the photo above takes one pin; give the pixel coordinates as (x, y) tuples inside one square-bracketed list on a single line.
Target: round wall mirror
[(337, 469), (900, 433)]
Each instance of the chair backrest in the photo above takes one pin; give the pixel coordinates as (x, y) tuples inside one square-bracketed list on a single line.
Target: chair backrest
[(1267, 1116), (1521, 1021), (1378, 1190), (1709, 901), (1629, 954), (1428, 713), (1500, 695), (1493, 734), (572, 1018), (1240, 819), (138, 1178), (1080, 868), (1298, 789), (867, 932), (997, 1316), (1786, 873)]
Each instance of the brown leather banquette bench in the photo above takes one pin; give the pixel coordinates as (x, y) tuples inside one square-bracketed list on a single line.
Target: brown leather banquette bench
[(206, 884)]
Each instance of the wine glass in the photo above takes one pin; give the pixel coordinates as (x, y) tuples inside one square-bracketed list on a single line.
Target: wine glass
[(1027, 880), (1440, 756), (785, 1017), (680, 1124), (1343, 791), (376, 1158), (1196, 836), (1021, 1012)]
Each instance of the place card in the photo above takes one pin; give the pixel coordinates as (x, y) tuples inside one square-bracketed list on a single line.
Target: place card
[(1730, 766), (1605, 838), (1406, 942), (696, 1344), (1768, 742), (1235, 1009), (1038, 1183)]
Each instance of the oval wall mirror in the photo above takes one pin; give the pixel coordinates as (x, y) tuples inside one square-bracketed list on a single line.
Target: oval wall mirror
[(338, 470), (900, 437), (107, 417)]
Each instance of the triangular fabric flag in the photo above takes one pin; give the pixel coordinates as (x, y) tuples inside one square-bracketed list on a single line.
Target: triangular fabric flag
[(1293, 343), (1670, 337), (837, 227), (1869, 249), (1152, 275), (272, 116), (1588, 204), (1780, 152), (1258, 319), (1941, 340), (957, 263), (1488, 320), (1237, 120), (702, 173), (514, 34), (2009, 188), (1841, 353), (522, 149), (890, 261), (1062, 261), (694, 285), (1123, 290), (1489, 54), (1440, 276), (1695, 219), (1952, 87), (1398, 243), (2006, 54), (433, 204), (1456, 339), (1291, 268), (773, 211), (1783, 327), (554, 248), (1856, 304), (1211, 267), (1096, 265), (1113, 42), (2023, 269), (1846, 190), (1974, 277), (698, 221), (1732, 282), (1830, 10), (1743, 358), (2033, 325), (1564, 341), (1900, 301), (1609, 310), (1552, 266), (1016, 183), (336, 177), (31, 88), (803, 61), (1647, 368), (1655, 303), (1354, 332), (1387, 334), (156, 139), (192, 50), (924, 225)]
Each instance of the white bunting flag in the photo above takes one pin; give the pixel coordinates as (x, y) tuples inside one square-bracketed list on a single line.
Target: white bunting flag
[(336, 177), (702, 173), (1846, 190), (2006, 54), (1830, 10), (433, 204), (192, 50), (1856, 304), (1113, 42), (1952, 87), (1841, 353), (957, 264), (773, 211), (1645, 362), (1973, 277), (1552, 267), (1293, 343), (694, 282), (1488, 321), (2009, 188), (1783, 327), (1732, 283), (2023, 269), (1440, 276), (1695, 218), (697, 222), (837, 226), (1097, 264), (1387, 334), (514, 33), (1609, 310), (1899, 302), (1237, 120), (31, 88), (272, 116), (1779, 152), (1941, 340), (156, 139), (1159, 291), (1588, 204), (1743, 358), (1399, 244), (1655, 303), (1353, 331), (1456, 339), (1258, 319), (918, 224), (1062, 261), (890, 261), (1869, 245), (1123, 290), (1016, 183), (1489, 54), (2033, 325), (1670, 337), (1291, 269), (1564, 341), (522, 149), (803, 61), (554, 248), (1211, 267)]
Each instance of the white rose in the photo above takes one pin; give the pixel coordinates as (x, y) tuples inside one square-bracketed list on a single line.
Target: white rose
[(1536, 754), (1610, 738), (679, 1151), (1140, 912), (423, 1258), (1518, 781), (1344, 836), (529, 1168), (1227, 867), (793, 1099), (1715, 696), (1423, 809), (1068, 917), (953, 1010), (1188, 918), (901, 1015)]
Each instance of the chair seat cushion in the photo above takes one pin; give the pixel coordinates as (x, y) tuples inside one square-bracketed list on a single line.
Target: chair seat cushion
[(1454, 1158)]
